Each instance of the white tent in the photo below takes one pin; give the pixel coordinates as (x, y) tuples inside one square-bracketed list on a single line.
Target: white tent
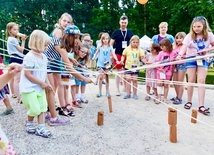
[(145, 42)]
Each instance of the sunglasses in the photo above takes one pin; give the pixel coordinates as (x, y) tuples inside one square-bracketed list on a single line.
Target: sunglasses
[(199, 18)]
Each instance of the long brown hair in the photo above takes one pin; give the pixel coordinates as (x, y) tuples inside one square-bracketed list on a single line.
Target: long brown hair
[(68, 42), (167, 43), (206, 27)]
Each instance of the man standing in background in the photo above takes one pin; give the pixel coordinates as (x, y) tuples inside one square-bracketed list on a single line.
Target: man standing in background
[(120, 38)]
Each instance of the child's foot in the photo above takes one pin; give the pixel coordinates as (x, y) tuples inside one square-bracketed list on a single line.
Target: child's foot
[(14, 96), (30, 128), (118, 93), (41, 131), (135, 96), (157, 100), (7, 112), (76, 104), (108, 94), (127, 96), (147, 98), (99, 94), (165, 101), (47, 117), (78, 100), (58, 121), (84, 100)]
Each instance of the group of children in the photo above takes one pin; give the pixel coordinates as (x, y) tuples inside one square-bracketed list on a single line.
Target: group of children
[(66, 58)]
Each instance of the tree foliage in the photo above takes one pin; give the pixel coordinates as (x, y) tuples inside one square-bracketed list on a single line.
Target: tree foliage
[(103, 15)]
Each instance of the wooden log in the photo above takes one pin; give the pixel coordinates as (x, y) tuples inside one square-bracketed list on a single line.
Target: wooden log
[(173, 134), (172, 116), (100, 118), (110, 104), (194, 116)]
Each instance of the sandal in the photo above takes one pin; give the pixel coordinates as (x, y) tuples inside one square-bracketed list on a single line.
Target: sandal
[(61, 111), (203, 110), (14, 96), (188, 105), (69, 108), (157, 100), (147, 98)]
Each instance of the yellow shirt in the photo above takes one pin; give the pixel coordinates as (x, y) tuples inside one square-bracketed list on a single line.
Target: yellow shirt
[(132, 57)]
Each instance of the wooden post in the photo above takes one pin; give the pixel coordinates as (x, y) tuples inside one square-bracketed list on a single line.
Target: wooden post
[(194, 116), (100, 118), (109, 104), (172, 121), (109, 97)]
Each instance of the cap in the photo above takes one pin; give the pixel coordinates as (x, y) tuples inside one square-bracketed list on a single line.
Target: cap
[(72, 29)]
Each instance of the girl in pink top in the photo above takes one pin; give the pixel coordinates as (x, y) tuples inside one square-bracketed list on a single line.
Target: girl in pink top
[(165, 72), (199, 41), (151, 72), (179, 70)]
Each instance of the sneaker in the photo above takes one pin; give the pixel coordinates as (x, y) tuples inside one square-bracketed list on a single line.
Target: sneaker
[(127, 96), (7, 112), (76, 104), (84, 100), (177, 101), (135, 96), (118, 93), (41, 131), (30, 128), (99, 94), (59, 121), (78, 100), (108, 94), (47, 116)]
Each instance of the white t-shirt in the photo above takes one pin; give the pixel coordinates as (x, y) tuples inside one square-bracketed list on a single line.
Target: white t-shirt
[(33, 62)]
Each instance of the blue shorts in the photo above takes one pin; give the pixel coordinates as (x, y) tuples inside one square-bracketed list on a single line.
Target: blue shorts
[(127, 71), (80, 83), (193, 64), (180, 67), (56, 65)]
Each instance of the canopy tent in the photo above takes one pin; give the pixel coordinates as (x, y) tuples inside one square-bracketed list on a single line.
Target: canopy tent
[(145, 42)]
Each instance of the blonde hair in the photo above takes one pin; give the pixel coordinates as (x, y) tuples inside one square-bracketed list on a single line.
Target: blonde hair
[(84, 35), (206, 27), (163, 24), (38, 40), (103, 37), (63, 15), (135, 37), (9, 26)]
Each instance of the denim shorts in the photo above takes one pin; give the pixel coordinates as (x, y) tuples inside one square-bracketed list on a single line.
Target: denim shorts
[(80, 83), (180, 67), (193, 64)]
